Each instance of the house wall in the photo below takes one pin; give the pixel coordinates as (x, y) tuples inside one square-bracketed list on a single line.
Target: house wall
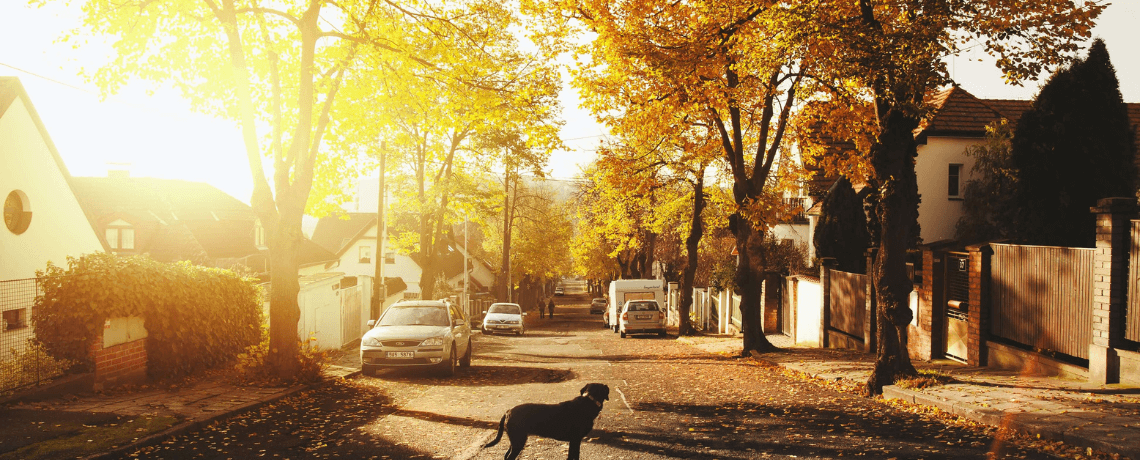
[(937, 213), (320, 313), (799, 233), (58, 226), (404, 268)]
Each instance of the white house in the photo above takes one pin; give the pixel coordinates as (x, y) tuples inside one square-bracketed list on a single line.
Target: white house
[(353, 241), (43, 221), (958, 121)]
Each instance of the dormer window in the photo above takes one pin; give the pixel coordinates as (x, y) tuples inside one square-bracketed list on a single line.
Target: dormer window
[(120, 235)]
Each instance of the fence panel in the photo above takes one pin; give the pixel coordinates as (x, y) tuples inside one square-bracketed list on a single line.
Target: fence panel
[(1042, 297), (736, 318), (351, 306), (1132, 322), (848, 302), (21, 363)]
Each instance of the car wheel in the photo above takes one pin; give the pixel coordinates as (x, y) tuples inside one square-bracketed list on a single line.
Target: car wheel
[(466, 360), (447, 368), (623, 334), (661, 333)]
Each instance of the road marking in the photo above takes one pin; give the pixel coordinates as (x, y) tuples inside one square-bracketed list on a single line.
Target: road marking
[(623, 400)]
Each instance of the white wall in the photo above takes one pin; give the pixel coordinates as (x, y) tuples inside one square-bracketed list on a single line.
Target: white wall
[(809, 304), (58, 227), (937, 214), (320, 313), (404, 268)]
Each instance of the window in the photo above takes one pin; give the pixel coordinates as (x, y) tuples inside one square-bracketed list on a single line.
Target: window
[(389, 258), (15, 319), (365, 254), (953, 188), (120, 235), (17, 212)]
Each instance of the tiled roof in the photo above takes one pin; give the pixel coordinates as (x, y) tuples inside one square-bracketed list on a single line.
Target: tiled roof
[(957, 113)]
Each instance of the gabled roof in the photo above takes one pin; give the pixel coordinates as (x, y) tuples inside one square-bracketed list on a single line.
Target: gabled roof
[(212, 224), (10, 90), (335, 233)]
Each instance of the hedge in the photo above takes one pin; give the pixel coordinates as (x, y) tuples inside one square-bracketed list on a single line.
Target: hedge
[(196, 317)]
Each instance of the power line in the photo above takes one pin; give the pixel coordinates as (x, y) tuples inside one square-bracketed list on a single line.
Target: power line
[(49, 79)]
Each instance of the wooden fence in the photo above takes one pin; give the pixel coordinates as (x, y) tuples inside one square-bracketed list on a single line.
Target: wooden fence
[(1042, 297), (1132, 322), (847, 303)]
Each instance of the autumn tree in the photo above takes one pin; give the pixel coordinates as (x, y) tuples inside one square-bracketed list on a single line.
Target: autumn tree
[(736, 67), (1072, 147), (895, 49)]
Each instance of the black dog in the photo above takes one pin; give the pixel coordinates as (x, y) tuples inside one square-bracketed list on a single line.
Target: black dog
[(568, 421)]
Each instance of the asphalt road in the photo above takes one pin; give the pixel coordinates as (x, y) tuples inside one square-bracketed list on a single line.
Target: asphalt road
[(668, 400)]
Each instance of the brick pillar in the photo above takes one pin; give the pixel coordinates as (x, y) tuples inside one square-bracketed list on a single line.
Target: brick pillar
[(928, 340), (979, 306), (826, 265), (1110, 286)]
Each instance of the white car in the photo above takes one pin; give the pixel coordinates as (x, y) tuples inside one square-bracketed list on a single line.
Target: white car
[(503, 317), (641, 317), (429, 333)]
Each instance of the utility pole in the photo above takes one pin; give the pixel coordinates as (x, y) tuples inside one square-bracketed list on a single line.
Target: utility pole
[(379, 287)]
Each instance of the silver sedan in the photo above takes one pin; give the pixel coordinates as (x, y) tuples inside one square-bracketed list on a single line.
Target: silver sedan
[(417, 333)]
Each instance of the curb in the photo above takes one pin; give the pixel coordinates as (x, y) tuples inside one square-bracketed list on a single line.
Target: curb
[(192, 425)]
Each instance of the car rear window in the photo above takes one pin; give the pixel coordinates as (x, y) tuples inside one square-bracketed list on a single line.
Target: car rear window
[(413, 316), (508, 309), (643, 306)]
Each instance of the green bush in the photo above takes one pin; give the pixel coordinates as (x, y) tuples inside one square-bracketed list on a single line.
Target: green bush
[(196, 317)]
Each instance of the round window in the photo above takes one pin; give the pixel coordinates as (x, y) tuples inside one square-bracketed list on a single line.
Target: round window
[(17, 212)]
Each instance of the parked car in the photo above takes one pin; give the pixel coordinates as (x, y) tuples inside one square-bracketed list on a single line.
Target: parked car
[(641, 317), (559, 291), (503, 317), (598, 305), (429, 333)]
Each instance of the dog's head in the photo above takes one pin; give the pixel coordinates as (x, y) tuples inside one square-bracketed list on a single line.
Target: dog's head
[(598, 392)]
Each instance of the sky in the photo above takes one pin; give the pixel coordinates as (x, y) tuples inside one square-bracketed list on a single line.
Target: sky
[(158, 136)]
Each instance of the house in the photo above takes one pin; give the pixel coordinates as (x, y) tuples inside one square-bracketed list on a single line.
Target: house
[(177, 220), (958, 121), (43, 220), (352, 242), (481, 278)]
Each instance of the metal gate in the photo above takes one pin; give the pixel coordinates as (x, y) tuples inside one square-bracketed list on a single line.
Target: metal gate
[(957, 304)]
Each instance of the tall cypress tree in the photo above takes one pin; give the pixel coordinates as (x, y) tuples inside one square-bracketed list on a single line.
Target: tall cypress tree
[(842, 229), (1073, 147)]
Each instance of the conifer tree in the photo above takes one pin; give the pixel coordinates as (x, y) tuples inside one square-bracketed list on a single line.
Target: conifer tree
[(842, 229), (1073, 147)]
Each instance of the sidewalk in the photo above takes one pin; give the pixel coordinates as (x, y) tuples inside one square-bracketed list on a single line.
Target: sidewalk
[(1103, 417), (191, 407)]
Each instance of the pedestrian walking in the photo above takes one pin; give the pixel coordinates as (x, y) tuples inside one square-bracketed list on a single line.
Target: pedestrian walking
[(541, 309), (550, 307)]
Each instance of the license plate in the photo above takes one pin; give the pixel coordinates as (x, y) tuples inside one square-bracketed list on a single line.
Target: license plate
[(644, 316), (401, 354), (502, 327)]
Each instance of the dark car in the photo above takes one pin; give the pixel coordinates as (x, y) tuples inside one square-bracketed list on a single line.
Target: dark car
[(598, 305)]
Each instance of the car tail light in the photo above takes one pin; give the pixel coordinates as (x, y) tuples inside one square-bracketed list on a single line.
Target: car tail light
[(625, 316)]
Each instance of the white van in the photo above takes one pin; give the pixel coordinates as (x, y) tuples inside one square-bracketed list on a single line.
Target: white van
[(622, 291)]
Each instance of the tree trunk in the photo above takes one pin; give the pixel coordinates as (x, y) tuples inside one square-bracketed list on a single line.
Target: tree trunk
[(892, 158), (749, 281), (692, 244), (284, 312)]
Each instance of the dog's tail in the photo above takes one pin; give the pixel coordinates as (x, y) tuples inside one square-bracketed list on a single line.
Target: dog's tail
[(500, 435)]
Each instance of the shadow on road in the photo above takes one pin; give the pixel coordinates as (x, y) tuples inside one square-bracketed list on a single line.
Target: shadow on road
[(478, 376)]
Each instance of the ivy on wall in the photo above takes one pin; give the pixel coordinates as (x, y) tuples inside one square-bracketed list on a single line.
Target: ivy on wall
[(196, 317)]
